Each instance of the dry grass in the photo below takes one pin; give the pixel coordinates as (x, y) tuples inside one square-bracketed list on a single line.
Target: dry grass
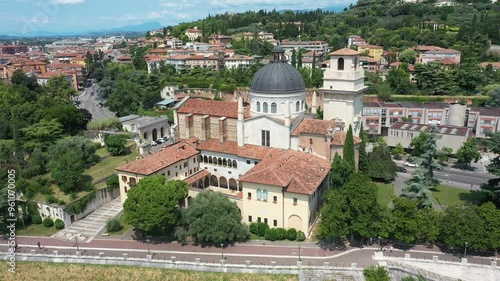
[(29, 271)]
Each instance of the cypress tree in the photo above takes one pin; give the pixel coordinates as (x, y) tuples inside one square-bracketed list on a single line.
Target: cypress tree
[(299, 59), (294, 58), (362, 161), (348, 152)]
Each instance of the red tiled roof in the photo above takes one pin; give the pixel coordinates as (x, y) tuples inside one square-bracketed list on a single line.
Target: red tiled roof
[(314, 126), (340, 136), (210, 107), (345, 52), (196, 176), (296, 172), (370, 46), (231, 147), (160, 160), (495, 65)]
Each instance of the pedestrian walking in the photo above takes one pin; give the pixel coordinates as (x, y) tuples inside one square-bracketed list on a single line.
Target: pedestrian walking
[(38, 244)]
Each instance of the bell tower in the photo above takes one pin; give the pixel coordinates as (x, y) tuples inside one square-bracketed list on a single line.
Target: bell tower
[(343, 87)]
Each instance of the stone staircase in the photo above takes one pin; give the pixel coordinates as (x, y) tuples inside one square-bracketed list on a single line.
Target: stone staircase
[(87, 228)]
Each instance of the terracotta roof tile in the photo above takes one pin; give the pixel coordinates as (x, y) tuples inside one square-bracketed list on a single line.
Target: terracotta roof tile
[(345, 52), (295, 171), (314, 126), (196, 176), (160, 160), (231, 147), (210, 107), (340, 136)]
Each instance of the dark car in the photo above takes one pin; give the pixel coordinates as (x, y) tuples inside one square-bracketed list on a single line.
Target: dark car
[(401, 169)]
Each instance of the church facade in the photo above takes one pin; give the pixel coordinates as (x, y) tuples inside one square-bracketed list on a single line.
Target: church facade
[(267, 154)]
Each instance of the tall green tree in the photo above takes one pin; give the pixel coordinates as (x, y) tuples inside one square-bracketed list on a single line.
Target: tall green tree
[(59, 89), (115, 144), (427, 161), (468, 152), (67, 171), (41, 135), (153, 204), (380, 163), (408, 56), (294, 58), (492, 188), (72, 120), (213, 218), (363, 159), (418, 188), (417, 144), (404, 216), (348, 153), (81, 145), (340, 172), (461, 224)]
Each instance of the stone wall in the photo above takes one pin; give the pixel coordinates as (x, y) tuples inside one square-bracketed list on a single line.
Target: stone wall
[(203, 129)]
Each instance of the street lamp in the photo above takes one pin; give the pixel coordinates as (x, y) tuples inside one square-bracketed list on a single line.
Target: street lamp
[(77, 248), (222, 250), (465, 250), (147, 241)]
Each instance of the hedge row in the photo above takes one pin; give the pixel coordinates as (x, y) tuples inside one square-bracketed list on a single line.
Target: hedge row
[(276, 234)]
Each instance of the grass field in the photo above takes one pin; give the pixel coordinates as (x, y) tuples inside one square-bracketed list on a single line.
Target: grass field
[(107, 166), (28, 271), (36, 230), (450, 196), (125, 227), (385, 192)]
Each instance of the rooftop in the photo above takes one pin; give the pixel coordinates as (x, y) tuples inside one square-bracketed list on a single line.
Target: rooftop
[(140, 120), (340, 136), (231, 147), (314, 126), (210, 107), (442, 129), (345, 52), (153, 163), (296, 172)]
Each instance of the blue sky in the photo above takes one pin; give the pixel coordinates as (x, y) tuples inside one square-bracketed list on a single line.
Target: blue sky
[(28, 16)]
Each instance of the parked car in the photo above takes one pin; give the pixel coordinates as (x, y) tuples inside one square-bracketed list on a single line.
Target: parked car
[(160, 140), (166, 138), (410, 164), (153, 143), (401, 169)]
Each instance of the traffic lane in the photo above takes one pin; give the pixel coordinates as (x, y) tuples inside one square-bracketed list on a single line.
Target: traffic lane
[(459, 178)]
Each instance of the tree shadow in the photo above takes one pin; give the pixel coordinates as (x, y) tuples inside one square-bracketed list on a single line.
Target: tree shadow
[(473, 197), (332, 245), (464, 167)]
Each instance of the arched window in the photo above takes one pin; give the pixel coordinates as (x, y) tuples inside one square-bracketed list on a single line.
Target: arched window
[(259, 194), (340, 64), (274, 107), (205, 159), (224, 162), (235, 165), (264, 107), (297, 106), (219, 161), (264, 195), (229, 163), (258, 106), (210, 159)]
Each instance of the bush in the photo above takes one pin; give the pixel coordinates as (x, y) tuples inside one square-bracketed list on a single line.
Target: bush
[(301, 236), (271, 234), (259, 228), (37, 219), (113, 225), (113, 182), (280, 233), (291, 234), (59, 224), (51, 199), (48, 222)]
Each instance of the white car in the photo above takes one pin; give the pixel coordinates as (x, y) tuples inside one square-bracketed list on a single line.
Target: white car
[(409, 164), (153, 143)]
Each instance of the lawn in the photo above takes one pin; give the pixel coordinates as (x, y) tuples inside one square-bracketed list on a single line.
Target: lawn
[(125, 227), (107, 166), (36, 230), (385, 192), (450, 196), (30, 271)]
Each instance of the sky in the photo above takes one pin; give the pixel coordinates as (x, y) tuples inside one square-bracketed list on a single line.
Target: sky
[(24, 17)]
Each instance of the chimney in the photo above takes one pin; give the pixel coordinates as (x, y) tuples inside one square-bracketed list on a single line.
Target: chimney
[(222, 130), (314, 106)]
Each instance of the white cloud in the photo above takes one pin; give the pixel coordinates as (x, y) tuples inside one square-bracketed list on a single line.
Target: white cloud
[(64, 2)]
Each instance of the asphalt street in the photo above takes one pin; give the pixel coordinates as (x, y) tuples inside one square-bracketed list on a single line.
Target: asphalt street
[(90, 103), (454, 175)]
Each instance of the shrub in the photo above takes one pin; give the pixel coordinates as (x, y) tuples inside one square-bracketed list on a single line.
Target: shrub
[(51, 199), (301, 236), (37, 219), (59, 224), (259, 228), (291, 234), (271, 234), (253, 228), (113, 182), (61, 202), (48, 222), (280, 233), (113, 225)]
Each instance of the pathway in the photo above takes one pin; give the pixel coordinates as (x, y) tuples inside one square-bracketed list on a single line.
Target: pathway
[(87, 228)]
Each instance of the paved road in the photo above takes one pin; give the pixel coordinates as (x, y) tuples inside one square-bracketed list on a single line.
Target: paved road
[(454, 175), (89, 102), (235, 254)]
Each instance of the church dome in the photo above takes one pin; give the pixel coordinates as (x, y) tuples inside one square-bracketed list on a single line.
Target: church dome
[(277, 77)]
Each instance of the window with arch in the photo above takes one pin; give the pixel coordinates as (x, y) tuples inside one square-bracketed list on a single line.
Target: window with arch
[(297, 106), (224, 162), (205, 159), (340, 64), (264, 107), (258, 106), (229, 163), (235, 165), (264, 195), (259, 194), (274, 107), (219, 161), (210, 159)]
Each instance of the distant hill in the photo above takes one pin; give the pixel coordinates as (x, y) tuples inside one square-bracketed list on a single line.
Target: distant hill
[(143, 27), (334, 8)]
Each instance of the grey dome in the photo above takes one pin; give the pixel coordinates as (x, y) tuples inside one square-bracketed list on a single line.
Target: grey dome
[(277, 77)]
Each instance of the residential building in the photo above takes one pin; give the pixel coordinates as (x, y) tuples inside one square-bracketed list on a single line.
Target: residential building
[(236, 61), (317, 46), (219, 39), (448, 136), (13, 49), (373, 51), (355, 40), (70, 75), (194, 34), (482, 120), (148, 128), (369, 64), (427, 54), (261, 35)]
